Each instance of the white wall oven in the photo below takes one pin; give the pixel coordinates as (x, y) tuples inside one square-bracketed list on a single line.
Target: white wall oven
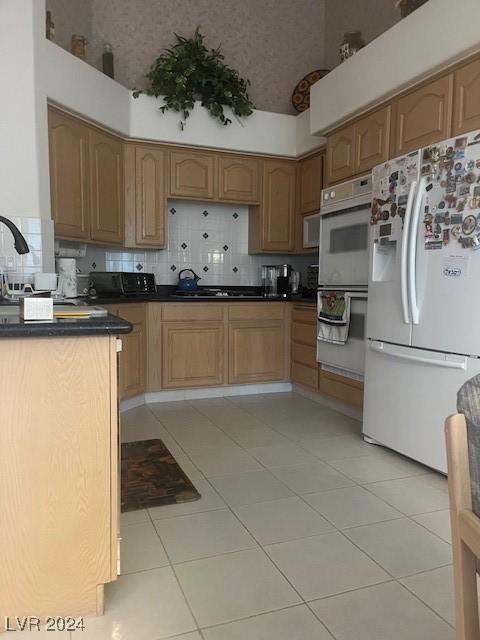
[(344, 231), (347, 359), (343, 268)]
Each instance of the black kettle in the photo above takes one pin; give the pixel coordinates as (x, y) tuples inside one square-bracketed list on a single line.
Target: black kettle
[(188, 281)]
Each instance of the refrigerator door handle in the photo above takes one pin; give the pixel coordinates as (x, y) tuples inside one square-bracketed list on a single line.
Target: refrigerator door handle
[(381, 347), (404, 255), (412, 252)]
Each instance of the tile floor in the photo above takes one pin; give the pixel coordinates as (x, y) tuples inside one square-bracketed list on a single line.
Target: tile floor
[(303, 532)]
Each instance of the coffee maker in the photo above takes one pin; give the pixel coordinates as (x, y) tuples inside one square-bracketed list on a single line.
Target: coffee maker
[(280, 281)]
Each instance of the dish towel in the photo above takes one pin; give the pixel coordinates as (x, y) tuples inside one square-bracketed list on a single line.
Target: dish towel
[(334, 317)]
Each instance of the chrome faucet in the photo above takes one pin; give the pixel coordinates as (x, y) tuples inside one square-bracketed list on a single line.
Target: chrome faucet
[(21, 245)]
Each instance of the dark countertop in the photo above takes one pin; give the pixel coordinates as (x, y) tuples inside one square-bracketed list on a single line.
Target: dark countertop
[(166, 293), (12, 326)]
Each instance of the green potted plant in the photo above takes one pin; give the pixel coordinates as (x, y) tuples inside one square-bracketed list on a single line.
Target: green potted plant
[(190, 71)]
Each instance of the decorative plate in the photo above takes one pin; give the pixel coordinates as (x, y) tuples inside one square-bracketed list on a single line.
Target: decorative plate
[(301, 93)]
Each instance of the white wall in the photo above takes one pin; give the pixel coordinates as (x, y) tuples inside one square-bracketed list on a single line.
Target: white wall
[(437, 34), (24, 187), (71, 83)]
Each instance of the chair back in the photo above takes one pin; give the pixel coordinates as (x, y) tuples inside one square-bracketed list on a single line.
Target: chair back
[(468, 403)]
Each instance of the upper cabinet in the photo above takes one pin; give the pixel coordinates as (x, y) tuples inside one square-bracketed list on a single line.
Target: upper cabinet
[(372, 140), (68, 138), (106, 188), (272, 225), (340, 154), (358, 147), (310, 183), (466, 109), (238, 179), (423, 116), (145, 196), (192, 175)]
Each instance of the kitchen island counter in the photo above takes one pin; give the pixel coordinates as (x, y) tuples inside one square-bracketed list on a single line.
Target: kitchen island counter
[(13, 326)]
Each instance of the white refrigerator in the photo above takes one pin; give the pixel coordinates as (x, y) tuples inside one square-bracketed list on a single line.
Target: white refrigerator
[(423, 322)]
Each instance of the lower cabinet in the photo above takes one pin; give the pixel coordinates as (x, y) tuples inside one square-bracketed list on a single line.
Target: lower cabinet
[(59, 479), (132, 360), (190, 345), (193, 354), (256, 351), (304, 369)]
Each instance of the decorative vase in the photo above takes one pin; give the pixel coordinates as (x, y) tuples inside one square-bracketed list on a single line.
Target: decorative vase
[(407, 6), (352, 42), (79, 46)]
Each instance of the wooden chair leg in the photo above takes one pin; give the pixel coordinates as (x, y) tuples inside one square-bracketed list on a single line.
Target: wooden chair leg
[(466, 597)]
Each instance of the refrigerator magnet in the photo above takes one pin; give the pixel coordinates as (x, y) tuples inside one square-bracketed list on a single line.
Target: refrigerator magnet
[(469, 225), (456, 231), (456, 218), (470, 178), (446, 237), (460, 204)]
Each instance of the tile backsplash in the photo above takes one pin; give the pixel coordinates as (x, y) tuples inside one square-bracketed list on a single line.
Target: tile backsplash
[(38, 233), (211, 239)]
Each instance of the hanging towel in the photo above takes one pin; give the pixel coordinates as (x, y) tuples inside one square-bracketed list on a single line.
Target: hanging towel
[(334, 317)]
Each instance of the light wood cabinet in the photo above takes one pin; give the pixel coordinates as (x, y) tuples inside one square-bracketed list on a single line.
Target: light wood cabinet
[(59, 461), (341, 388), (192, 175), (341, 155), (106, 188), (192, 354), (132, 370), (256, 351), (423, 116), (310, 183), (145, 196), (238, 179), (154, 346), (69, 188), (466, 108), (304, 369), (272, 225), (372, 140)]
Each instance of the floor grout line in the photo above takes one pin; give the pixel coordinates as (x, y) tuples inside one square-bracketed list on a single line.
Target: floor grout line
[(295, 494)]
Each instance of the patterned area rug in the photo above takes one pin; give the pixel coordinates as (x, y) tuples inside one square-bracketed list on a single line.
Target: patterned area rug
[(151, 477)]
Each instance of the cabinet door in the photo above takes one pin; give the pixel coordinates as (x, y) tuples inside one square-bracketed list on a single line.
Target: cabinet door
[(372, 140), (192, 354), (145, 196), (340, 155), (423, 116), (310, 184), (132, 357), (466, 110), (106, 186), (278, 206), (238, 179), (68, 140), (256, 352), (192, 175)]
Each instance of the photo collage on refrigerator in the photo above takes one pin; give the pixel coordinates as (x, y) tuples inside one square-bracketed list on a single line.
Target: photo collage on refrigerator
[(452, 205), (391, 186)]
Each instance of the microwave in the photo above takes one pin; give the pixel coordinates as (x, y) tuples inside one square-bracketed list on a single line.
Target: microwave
[(311, 230)]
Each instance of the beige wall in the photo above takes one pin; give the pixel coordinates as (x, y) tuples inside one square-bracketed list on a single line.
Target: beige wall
[(371, 17), (272, 42)]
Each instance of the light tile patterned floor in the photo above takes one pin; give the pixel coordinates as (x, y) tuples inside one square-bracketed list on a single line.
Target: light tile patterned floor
[(303, 532)]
